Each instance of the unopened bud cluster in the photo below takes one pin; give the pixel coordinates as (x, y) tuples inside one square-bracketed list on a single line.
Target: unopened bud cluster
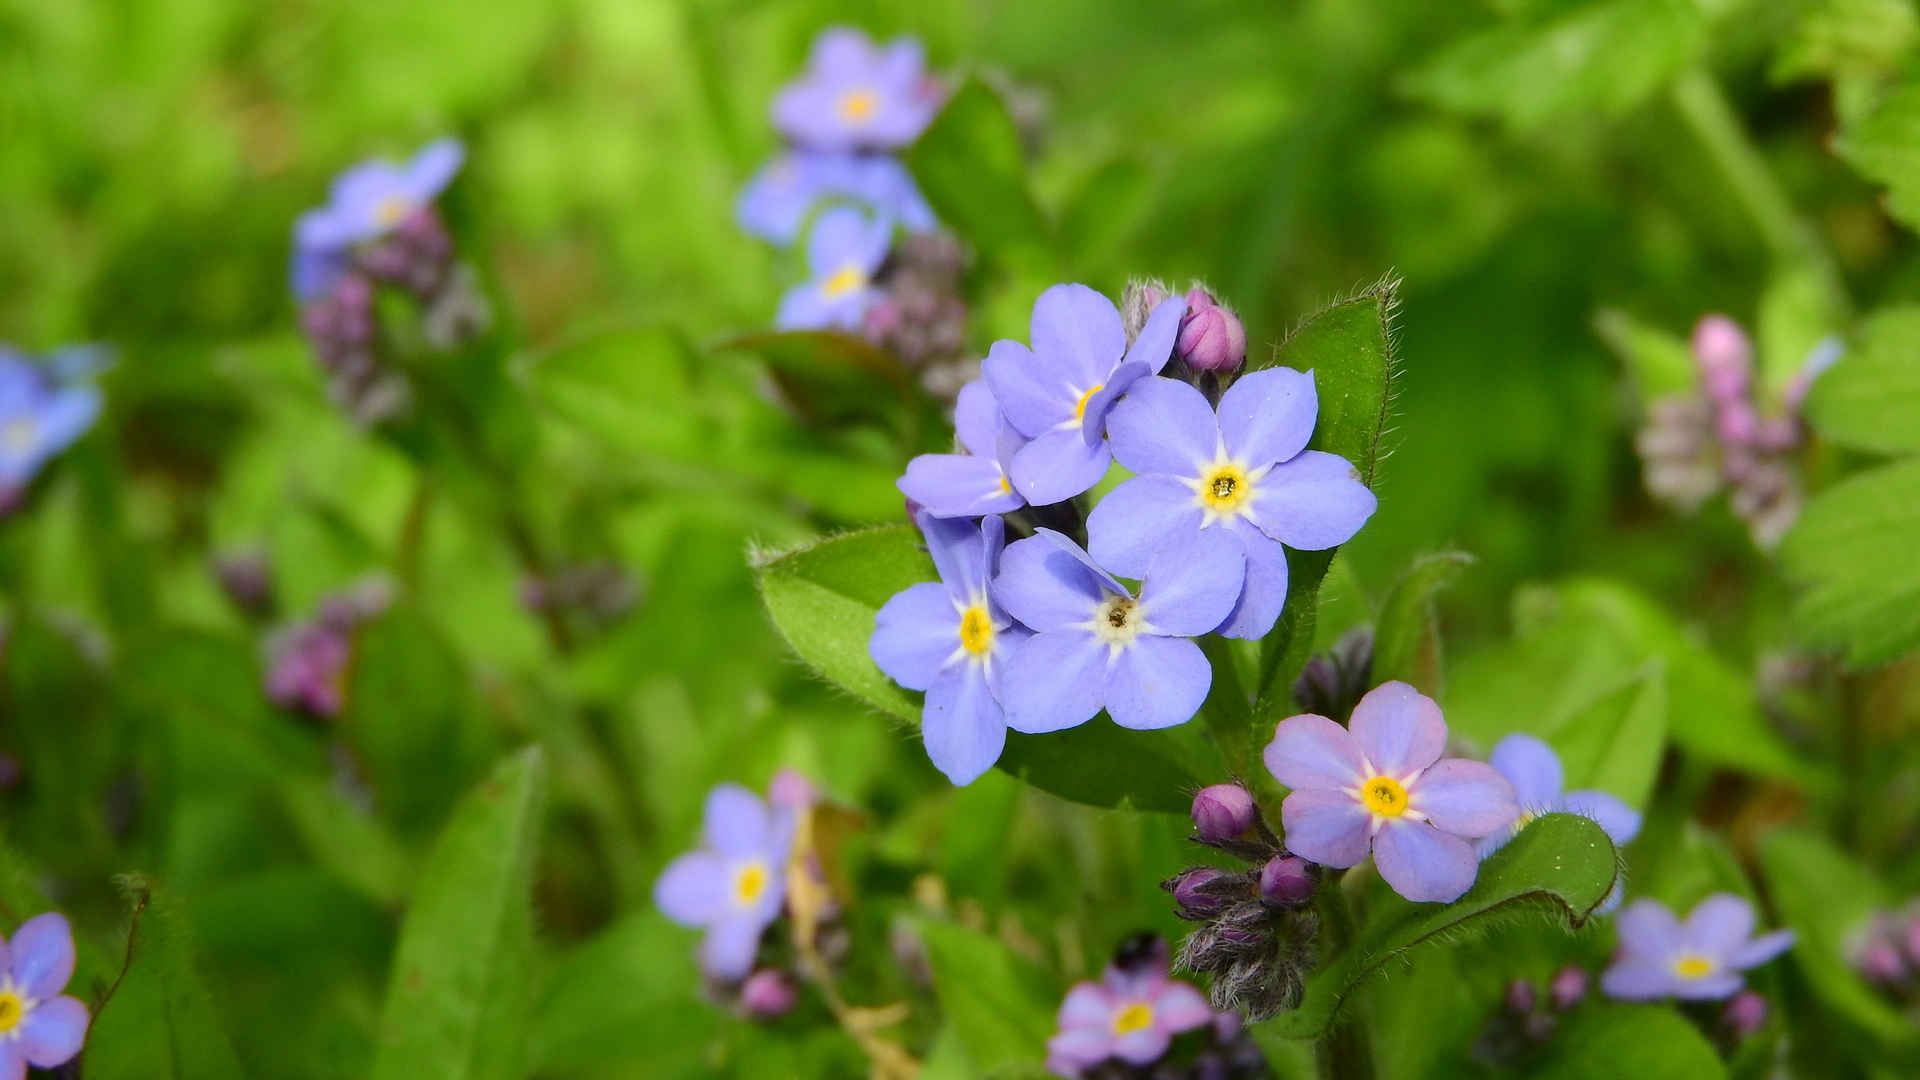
[(307, 663), (1333, 682), (920, 314), (1887, 953), (601, 591), (1211, 345), (1529, 1015)]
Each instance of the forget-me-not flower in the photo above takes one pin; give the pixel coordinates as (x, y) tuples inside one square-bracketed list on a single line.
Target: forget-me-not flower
[(854, 95), (776, 202), (734, 885), (1533, 769), (976, 482), (1243, 470), (1129, 1014), (39, 416), (844, 251), (1058, 392), (39, 1026), (1699, 959), (1380, 785), (1097, 645), (952, 640), (366, 202)]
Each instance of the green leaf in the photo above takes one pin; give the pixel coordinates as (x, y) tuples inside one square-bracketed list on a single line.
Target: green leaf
[(623, 998), (1799, 310), (632, 390), (1560, 865), (1406, 640), (1865, 38), (1852, 549), (1612, 1039), (971, 168), (1827, 898), (832, 378), (1660, 363), (459, 997), (1885, 146), (160, 1022), (1102, 764), (1615, 743), (407, 706), (998, 1005), (1870, 399)]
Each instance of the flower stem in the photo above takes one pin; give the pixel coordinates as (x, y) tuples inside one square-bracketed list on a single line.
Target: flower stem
[(1344, 1052)]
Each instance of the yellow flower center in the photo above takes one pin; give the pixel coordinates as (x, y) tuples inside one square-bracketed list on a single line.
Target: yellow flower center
[(1006, 488), (1693, 966), (1383, 795), (844, 280), (12, 1011), (856, 106), (1132, 1018), (976, 630), (1225, 488), (1080, 407), (749, 882), (19, 434), (390, 210)]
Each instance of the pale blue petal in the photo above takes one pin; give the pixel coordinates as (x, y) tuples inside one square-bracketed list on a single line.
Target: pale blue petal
[(1422, 863), (43, 955), (1465, 798), (1268, 416), (1619, 821), (1313, 502), (1193, 583), (1760, 950), (1155, 344), (1077, 335), (1533, 769), (695, 889), (1718, 925), (958, 485), (1034, 399), (1725, 984), (1138, 518), (958, 555), (915, 634), (976, 419), (1648, 929), (1310, 752), (963, 726), (1265, 593), (1065, 543), (1157, 682), (736, 821), (433, 168), (1057, 466), (1053, 680), (1399, 729), (1045, 587), (1326, 827), (1163, 426), (729, 948), (1093, 419), (53, 1032), (1638, 979)]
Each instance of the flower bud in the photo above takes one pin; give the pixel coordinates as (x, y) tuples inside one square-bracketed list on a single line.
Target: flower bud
[(1568, 987), (1520, 997), (1880, 962), (1144, 953), (767, 994), (1222, 812), (1745, 1014), (1725, 357), (1737, 424), (1138, 302), (1201, 892), (789, 790), (246, 578), (1286, 880), (1911, 938), (1211, 337)]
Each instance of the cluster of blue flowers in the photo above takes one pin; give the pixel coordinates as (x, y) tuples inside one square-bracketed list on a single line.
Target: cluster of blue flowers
[(1043, 635), (44, 408)]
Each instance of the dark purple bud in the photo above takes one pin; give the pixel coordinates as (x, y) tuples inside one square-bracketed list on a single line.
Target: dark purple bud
[(768, 994), (1745, 1014), (1200, 893), (1520, 997), (1568, 987), (1143, 953), (1286, 880), (1222, 812), (1211, 337), (1538, 1027)]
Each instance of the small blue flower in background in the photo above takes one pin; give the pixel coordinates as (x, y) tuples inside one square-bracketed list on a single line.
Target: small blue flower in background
[(951, 640), (1098, 645), (735, 884), (1129, 1015), (41, 415), (1699, 959), (39, 1026), (854, 95), (976, 482), (844, 251), (366, 202), (1533, 769), (1379, 785), (1058, 393), (775, 203), (1243, 469)]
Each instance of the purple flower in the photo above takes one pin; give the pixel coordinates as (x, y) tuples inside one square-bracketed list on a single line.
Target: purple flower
[(1097, 645), (368, 200), (1058, 393), (1244, 470), (951, 640), (776, 202), (854, 95), (734, 885), (844, 251), (1382, 786), (307, 668), (976, 482), (39, 1026), (1533, 769), (1698, 959), (1132, 1015), (39, 417)]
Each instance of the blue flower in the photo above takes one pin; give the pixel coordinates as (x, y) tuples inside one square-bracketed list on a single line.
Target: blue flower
[(1058, 392), (734, 885), (952, 640), (854, 95), (1243, 470), (776, 202), (1533, 769), (39, 1026), (844, 251), (366, 202), (39, 417), (1097, 645), (976, 482), (1700, 959)]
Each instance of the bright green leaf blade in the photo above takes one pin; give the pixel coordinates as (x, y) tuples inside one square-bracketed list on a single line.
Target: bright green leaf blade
[(998, 1005), (459, 997), (407, 704), (1870, 400), (1611, 1039), (622, 998), (1660, 363), (971, 168), (1853, 551), (1102, 764), (1799, 311), (630, 390), (1406, 639), (1615, 743), (1560, 865), (160, 1023), (1885, 145)]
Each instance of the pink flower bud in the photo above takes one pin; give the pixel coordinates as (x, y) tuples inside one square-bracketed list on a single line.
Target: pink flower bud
[(1568, 987), (1520, 997), (1286, 880), (1724, 355), (1222, 812), (768, 994), (1199, 893), (791, 791), (1211, 337), (1745, 1014)]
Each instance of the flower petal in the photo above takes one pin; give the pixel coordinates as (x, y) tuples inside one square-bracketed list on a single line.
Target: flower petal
[(1086, 1005), (433, 168), (1325, 826), (1533, 769), (1268, 416), (1154, 346), (737, 822), (1398, 728), (1077, 334), (1157, 682), (694, 888), (962, 725), (1180, 1007), (1193, 583), (728, 950), (844, 237), (1619, 821), (1136, 519), (958, 556), (1079, 554), (1143, 1046), (1032, 398), (53, 1032), (1099, 406), (1714, 987), (1163, 426), (976, 419), (1638, 979), (1466, 798), (958, 485), (1059, 465), (12, 1065), (1424, 864), (1045, 587), (1648, 929), (1071, 1051), (1053, 680), (1310, 751), (1760, 950), (43, 955), (1313, 502), (915, 634), (1264, 594), (1718, 925)]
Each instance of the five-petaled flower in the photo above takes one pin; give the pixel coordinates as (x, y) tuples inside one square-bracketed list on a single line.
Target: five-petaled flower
[(1533, 769), (39, 1026), (952, 640), (734, 885), (1130, 1014), (854, 95), (1699, 959), (39, 417), (1244, 471), (1059, 392), (1381, 785), (1097, 645), (976, 482), (844, 251), (776, 202), (366, 202)]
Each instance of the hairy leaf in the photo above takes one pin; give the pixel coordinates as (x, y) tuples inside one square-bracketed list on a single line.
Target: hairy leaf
[(160, 1022), (1406, 640), (1852, 549)]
